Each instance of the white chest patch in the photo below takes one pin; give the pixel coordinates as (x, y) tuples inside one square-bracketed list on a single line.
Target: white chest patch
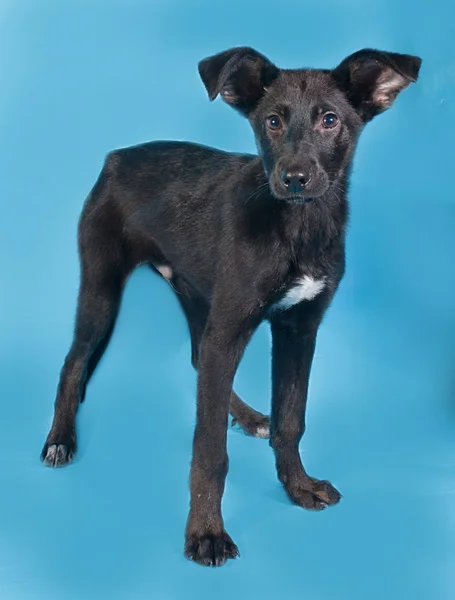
[(305, 288)]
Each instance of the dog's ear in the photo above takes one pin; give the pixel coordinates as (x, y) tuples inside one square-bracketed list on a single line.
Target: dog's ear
[(373, 79), (239, 75)]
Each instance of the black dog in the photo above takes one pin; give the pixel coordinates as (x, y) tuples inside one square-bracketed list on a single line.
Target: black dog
[(242, 239)]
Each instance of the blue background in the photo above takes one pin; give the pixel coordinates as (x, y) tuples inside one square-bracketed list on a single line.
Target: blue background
[(80, 78)]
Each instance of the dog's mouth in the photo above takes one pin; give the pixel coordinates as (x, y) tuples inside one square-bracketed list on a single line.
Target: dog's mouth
[(297, 199), (311, 193), (300, 200)]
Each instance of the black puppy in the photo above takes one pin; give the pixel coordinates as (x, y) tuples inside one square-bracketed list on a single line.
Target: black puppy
[(242, 239)]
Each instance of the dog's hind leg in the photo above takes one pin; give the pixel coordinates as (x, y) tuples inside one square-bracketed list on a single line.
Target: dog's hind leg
[(251, 421), (196, 310), (103, 274)]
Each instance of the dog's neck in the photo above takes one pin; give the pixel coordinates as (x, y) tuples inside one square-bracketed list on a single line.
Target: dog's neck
[(319, 222)]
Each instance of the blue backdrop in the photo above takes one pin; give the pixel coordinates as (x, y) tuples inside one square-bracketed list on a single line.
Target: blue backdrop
[(81, 78)]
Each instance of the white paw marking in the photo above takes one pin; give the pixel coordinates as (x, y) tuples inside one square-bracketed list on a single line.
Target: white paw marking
[(262, 432), (305, 288)]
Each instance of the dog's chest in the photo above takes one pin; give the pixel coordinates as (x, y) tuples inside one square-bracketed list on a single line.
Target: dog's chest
[(303, 289)]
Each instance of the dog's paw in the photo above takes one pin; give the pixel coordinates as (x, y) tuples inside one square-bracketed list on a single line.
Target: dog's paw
[(256, 426), (313, 494), (58, 453), (210, 549)]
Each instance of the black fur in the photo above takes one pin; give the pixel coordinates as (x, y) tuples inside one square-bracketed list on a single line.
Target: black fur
[(233, 233)]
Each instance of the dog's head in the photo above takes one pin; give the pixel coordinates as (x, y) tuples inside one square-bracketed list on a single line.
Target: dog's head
[(307, 121)]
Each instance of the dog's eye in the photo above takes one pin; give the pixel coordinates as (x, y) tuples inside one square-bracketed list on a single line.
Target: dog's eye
[(329, 120), (273, 122)]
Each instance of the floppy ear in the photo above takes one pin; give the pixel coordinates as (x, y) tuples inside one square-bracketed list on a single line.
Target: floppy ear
[(373, 79), (240, 75)]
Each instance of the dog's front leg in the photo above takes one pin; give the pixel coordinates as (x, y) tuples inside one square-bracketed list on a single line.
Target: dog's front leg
[(294, 338), (224, 341)]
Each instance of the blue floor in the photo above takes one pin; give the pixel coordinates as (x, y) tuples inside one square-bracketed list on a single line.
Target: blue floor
[(80, 78)]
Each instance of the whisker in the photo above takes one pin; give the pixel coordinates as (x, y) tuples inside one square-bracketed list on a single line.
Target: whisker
[(255, 193)]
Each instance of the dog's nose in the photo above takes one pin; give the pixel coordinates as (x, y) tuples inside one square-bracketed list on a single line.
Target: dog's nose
[(294, 180)]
